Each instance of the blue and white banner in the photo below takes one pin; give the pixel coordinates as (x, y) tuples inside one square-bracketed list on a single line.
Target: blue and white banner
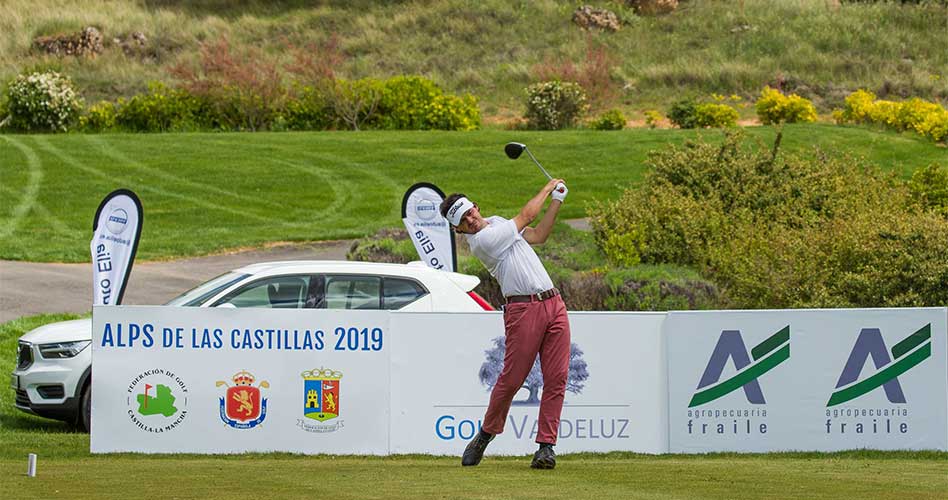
[(428, 230), (115, 232)]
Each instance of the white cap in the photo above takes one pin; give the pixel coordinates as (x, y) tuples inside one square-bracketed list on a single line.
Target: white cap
[(458, 210)]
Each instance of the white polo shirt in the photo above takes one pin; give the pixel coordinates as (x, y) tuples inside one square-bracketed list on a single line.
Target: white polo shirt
[(509, 258)]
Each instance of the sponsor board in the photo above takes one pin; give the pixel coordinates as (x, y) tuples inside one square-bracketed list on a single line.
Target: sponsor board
[(807, 380), (202, 380), (197, 380), (444, 366)]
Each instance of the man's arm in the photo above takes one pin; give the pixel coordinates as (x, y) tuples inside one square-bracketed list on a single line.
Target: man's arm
[(539, 234), (531, 210)]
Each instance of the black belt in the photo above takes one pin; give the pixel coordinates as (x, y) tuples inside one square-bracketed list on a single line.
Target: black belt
[(537, 297)]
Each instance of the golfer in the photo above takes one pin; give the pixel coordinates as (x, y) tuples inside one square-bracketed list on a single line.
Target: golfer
[(535, 319)]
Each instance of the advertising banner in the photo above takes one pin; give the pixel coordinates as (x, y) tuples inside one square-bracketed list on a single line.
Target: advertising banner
[(428, 230), (201, 380), (115, 232), (444, 365), (821, 380)]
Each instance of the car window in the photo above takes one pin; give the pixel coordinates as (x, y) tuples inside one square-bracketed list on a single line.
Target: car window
[(353, 292), (399, 292), (275, 292), (201, 293)]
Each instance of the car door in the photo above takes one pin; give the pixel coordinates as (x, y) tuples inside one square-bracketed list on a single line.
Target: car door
[(365, 292), (295, 291)]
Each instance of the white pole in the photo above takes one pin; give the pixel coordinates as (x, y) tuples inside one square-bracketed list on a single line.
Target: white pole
[(31, 465)]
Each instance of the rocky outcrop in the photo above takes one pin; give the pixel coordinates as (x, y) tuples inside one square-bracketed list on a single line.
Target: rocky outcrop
[(588, 17), (87, 42), (652, 7)]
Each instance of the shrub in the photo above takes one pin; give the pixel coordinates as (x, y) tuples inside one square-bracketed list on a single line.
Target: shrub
[(775, 107), (682, 113), (309, 109), (610, 120), (594, 74), (926, 118), (244, 91), (652, 118), (42, 102), (417, 103), (715, 115), (554, 105), (98, 117), (929, 188), (354, 102), (161, 109), (782, 231)]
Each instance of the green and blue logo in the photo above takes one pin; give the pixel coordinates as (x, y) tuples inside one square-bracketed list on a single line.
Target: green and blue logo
[(766, 356), (906, 354)]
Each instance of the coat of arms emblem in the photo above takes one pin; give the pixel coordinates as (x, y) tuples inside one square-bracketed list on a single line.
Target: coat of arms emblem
[(321, 394), (242, 406)]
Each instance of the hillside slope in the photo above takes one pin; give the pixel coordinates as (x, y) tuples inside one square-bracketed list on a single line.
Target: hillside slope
[(494, 48)]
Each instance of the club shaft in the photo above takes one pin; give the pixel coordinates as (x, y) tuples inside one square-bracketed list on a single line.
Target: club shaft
[(547, 174)]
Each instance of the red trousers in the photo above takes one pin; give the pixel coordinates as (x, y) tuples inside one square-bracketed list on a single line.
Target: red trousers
[(531, 328)]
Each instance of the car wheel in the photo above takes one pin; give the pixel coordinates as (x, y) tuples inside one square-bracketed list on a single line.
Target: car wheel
[(85, 408)]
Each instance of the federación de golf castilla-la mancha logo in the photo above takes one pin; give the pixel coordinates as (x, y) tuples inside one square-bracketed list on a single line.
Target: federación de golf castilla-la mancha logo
[(157, 400), (242, 405)]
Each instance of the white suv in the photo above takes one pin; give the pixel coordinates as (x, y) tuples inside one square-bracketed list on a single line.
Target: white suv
[(54, 362)]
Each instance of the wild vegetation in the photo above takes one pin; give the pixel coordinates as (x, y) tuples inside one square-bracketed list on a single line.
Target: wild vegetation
[(779, 230), (821, 50)]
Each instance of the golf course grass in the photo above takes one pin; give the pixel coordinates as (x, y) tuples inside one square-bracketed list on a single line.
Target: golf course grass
[(208, 192), (862, 475)]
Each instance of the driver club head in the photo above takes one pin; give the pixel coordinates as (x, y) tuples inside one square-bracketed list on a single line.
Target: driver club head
[(514, 150)]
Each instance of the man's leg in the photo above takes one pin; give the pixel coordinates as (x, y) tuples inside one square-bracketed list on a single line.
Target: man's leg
[(554, 360), (524, 333)]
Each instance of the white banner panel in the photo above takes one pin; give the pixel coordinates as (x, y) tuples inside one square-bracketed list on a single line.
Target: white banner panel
[(442, 365), (819, 380), (115, 232), (428, 230), (199, 380)]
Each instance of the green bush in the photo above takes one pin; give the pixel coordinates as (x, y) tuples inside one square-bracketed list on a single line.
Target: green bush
[(309, 109), (555, 105), (775, 107), (711, 115), (610, 120), (781, 231), (682, 113), (162, 109), (98, 118), (929, 188), (41, 101)]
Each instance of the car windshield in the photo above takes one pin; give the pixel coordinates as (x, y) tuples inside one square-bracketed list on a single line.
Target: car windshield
[(201, 293)]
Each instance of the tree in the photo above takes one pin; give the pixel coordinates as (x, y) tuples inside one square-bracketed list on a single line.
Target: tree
[(491, 368)]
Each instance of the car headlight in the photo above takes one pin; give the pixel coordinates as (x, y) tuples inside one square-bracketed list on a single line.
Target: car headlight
[(63, 349)]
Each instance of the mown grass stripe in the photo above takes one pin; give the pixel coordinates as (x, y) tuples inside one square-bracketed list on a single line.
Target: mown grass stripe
[(774, 341), (733, 383), (899, 367), (908, 343)]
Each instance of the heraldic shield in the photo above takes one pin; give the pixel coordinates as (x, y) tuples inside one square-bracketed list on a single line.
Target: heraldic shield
[(321, 394), (242, 406), (243, 403)]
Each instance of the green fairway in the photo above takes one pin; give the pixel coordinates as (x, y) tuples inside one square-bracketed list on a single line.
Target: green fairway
[(208, 192), (617, 475)]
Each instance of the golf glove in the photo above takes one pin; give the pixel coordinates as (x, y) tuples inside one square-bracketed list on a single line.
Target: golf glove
[(559, 193)]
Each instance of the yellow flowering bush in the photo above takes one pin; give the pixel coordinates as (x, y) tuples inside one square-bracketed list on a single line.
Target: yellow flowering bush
[(715, 115), (775, 107), (926, 118)]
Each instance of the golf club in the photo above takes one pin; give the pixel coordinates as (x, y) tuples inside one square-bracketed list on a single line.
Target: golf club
[(515, 149)]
